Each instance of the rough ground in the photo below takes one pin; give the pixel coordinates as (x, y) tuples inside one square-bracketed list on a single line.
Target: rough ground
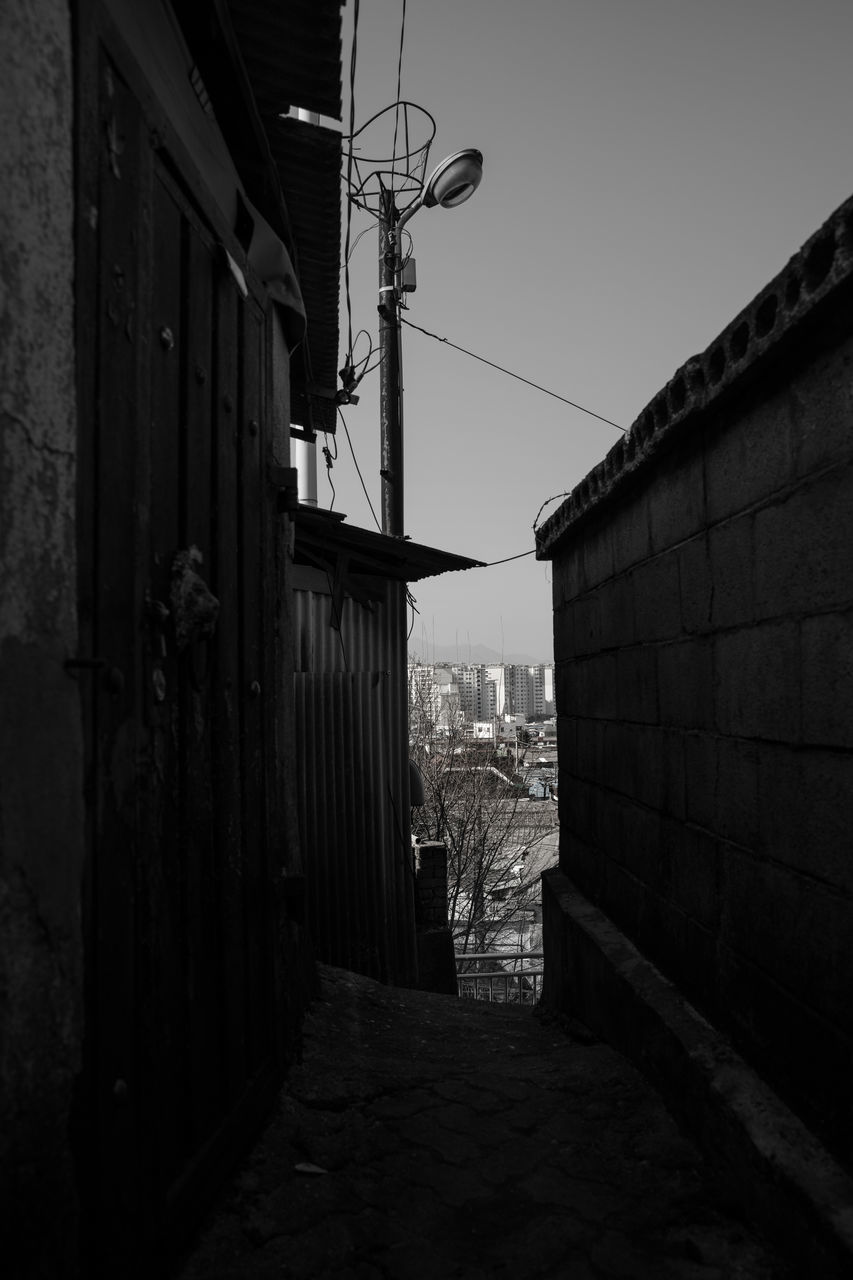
[(423, 1138)]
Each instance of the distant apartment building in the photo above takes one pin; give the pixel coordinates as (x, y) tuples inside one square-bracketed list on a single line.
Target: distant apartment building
[(519, 691), (483, 693), (471, 681), (537, 689), (478, 693), (434, 697)]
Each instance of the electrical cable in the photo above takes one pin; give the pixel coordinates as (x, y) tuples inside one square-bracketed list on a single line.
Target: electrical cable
[(356, 240), (413, 605), (510, 374), (347, 250), (340, 627), (358, 469), (331, 459), (365, 359), (506, 559)]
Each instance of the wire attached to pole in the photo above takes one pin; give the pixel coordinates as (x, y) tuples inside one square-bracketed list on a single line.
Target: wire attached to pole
[(517, 376)]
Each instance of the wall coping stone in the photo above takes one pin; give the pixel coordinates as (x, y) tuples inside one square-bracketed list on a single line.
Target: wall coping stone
[(783, 312)]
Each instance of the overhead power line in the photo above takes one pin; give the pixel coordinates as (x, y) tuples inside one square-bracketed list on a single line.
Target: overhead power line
[(517, 376)]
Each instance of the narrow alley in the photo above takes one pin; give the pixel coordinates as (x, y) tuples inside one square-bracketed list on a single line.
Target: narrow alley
[(423, 1137)]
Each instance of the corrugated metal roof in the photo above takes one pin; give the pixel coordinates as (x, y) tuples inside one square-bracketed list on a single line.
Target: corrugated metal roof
[(257, 59), (292, 52), (372, 553), (308, 159)]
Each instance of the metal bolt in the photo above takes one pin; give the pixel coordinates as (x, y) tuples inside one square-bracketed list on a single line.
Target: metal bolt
[(255, 689), (167, 338), (253, 427)]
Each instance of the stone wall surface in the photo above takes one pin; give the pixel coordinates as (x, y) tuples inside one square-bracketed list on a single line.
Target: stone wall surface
[(703, 626), (40, 743)]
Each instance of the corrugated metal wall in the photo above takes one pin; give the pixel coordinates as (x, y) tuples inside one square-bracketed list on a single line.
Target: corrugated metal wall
[(353, 781)]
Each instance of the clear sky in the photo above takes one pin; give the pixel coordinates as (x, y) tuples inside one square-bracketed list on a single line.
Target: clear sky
[(648, 166)]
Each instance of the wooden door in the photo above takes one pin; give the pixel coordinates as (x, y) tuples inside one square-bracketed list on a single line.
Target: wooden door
[(178, 596)]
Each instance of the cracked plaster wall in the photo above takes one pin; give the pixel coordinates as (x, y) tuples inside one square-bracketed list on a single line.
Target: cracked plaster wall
[(41, 818), (703, 628)]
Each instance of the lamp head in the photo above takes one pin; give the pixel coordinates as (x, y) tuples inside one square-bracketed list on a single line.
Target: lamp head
[(455, 179)]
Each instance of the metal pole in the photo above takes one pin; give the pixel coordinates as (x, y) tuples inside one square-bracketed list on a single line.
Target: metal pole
[(390, 388)]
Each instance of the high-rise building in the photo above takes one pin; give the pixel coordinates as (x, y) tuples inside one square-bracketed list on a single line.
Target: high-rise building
[(481, 693)]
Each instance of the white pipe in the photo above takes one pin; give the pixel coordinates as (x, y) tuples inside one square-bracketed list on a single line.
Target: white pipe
[(305, 460)]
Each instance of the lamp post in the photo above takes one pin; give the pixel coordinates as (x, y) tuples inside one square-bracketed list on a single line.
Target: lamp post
[(451, 183)]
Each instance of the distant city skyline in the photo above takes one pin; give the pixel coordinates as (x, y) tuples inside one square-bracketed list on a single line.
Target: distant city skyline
[(471, 653)]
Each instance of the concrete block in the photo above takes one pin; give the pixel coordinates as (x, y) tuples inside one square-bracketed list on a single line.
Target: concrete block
[(822, 410), (616, 615), (633, 693), (657, 599), (631, 837), (686, 684), (731, 566), (646, 763), (674, 774), (827, 656), (804, 549), (569, 579), (797, 1049), (564, 634), (628, 757), (805, 802), (591, 749), (586, 622), (736, 816), (578, 816), (676, 500), (592, 686), (698, 965), (630, 532), (782, 1174), (749, 458), (795, 928), (757, 682), (567, 738), (700, 779), (695, 584), (694, 858), (564, 682), (597, 547), (662, 931), (584, 863), (621, 896)]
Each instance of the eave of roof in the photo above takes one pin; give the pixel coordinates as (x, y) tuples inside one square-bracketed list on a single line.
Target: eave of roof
[(258, 58), (292, 51), (372, 553), (308, 159)]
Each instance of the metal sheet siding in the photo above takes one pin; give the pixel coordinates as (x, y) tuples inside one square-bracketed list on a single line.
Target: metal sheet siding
[(353, 784)]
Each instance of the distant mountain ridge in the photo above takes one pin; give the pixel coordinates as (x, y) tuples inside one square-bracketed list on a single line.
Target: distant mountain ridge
[(474, 653)]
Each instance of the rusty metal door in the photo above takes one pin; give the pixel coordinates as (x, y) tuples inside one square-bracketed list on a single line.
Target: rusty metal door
[(185, 1003)]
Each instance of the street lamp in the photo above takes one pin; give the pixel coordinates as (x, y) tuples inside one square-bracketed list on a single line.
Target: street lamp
[(451, 183)]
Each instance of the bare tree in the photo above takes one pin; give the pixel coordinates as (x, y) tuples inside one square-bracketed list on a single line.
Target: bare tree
[(481, 812)]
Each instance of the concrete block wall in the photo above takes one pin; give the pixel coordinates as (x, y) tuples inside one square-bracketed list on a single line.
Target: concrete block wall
[(431, 885), (703, 628), (41, 750)]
